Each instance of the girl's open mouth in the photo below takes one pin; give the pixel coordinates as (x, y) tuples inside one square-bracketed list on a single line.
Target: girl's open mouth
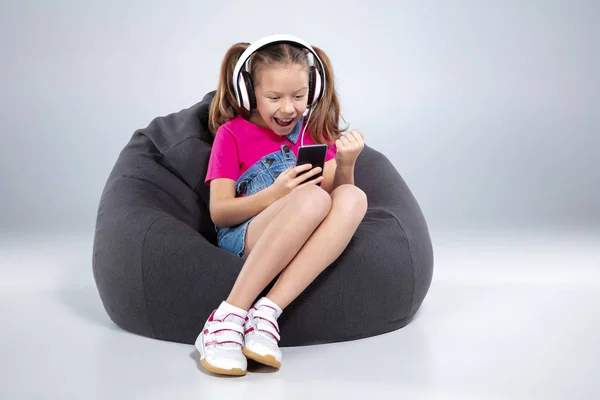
[(283, 122)]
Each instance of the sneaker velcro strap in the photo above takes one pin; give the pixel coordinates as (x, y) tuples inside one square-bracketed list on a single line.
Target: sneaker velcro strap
[(267, 317), (264, 326), (266, 323), (226, 326), (216, 342)]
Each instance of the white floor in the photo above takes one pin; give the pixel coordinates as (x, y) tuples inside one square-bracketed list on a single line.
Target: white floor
[(511, 316)]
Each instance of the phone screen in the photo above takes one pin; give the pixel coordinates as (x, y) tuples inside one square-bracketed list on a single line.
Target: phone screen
[(313, 154)]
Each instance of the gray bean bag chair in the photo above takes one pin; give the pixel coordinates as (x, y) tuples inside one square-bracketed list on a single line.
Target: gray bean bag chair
[(159, 272)]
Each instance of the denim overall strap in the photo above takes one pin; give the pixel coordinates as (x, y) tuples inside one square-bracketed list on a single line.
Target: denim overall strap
[(293, 135)]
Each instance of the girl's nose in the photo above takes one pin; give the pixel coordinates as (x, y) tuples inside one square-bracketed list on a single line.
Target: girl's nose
[(287, 107)]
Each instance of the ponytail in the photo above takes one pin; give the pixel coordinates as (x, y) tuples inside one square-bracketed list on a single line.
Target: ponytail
[(224, 106), (324, 124)]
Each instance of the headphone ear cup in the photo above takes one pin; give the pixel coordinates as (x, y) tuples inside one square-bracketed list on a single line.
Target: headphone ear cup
[(246, 90), (318, 85), (311, 86)]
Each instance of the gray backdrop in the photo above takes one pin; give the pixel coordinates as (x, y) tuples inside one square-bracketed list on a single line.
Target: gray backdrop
[(489, 110)]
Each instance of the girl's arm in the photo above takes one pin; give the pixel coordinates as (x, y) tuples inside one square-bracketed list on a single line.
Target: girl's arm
[(343, 175), (334, 175), (329, 173), (227, 210), (340, 170)]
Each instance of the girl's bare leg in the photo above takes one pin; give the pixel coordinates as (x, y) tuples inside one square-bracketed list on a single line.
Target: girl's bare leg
[(274, 237), (349, 205)]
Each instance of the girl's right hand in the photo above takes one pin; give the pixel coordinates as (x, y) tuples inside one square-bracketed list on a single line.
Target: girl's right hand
[(289, 179)]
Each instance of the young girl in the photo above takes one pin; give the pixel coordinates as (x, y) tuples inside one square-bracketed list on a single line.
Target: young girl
[(264, 210)]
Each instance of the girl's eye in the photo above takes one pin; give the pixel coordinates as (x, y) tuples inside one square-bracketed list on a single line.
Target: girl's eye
[(298, 97)]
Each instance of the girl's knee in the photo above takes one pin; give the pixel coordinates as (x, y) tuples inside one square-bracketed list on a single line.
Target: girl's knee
[(351, 199), (313, 199)]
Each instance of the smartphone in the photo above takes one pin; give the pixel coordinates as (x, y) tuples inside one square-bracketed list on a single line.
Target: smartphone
[(313, 154)]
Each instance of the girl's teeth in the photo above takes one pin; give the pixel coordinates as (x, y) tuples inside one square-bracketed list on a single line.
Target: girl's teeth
[(284, 122)]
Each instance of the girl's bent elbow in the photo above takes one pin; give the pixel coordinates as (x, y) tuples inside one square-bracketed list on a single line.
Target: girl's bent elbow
[(216, 217)]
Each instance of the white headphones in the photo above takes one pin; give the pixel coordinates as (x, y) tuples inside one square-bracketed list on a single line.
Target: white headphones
[(242, 82)]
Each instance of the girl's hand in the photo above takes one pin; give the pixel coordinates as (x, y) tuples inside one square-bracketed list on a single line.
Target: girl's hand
[(289, 179), (348, 148)]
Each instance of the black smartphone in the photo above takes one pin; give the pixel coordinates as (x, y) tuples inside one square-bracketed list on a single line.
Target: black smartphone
[(313, 154)]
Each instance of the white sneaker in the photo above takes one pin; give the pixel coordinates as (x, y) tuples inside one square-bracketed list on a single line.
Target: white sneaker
[(261, 336), (220, 345)]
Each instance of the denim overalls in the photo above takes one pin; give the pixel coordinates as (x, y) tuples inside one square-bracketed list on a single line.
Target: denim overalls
[(256, 178)]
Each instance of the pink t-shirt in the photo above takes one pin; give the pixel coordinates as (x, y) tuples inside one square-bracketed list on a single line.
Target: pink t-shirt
[(239, 144)]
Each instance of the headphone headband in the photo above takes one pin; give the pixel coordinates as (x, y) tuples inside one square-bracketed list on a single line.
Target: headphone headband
[(266, 41)]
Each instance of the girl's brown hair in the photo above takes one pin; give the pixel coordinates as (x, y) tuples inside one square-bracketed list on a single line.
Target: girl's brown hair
[(325, 116)]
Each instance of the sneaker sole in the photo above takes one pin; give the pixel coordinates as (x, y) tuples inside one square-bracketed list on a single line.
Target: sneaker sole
[(221, 371), (266, 360)]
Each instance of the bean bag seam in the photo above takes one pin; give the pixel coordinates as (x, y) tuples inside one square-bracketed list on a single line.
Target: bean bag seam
[(410, 252), (114, 179), (143, 270), (180, 142), (173, 147)]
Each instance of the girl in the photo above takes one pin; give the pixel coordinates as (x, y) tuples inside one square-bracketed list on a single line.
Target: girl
[(263, 208)]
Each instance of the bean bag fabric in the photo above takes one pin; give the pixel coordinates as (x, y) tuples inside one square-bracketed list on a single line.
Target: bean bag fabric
[(159, 272)]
